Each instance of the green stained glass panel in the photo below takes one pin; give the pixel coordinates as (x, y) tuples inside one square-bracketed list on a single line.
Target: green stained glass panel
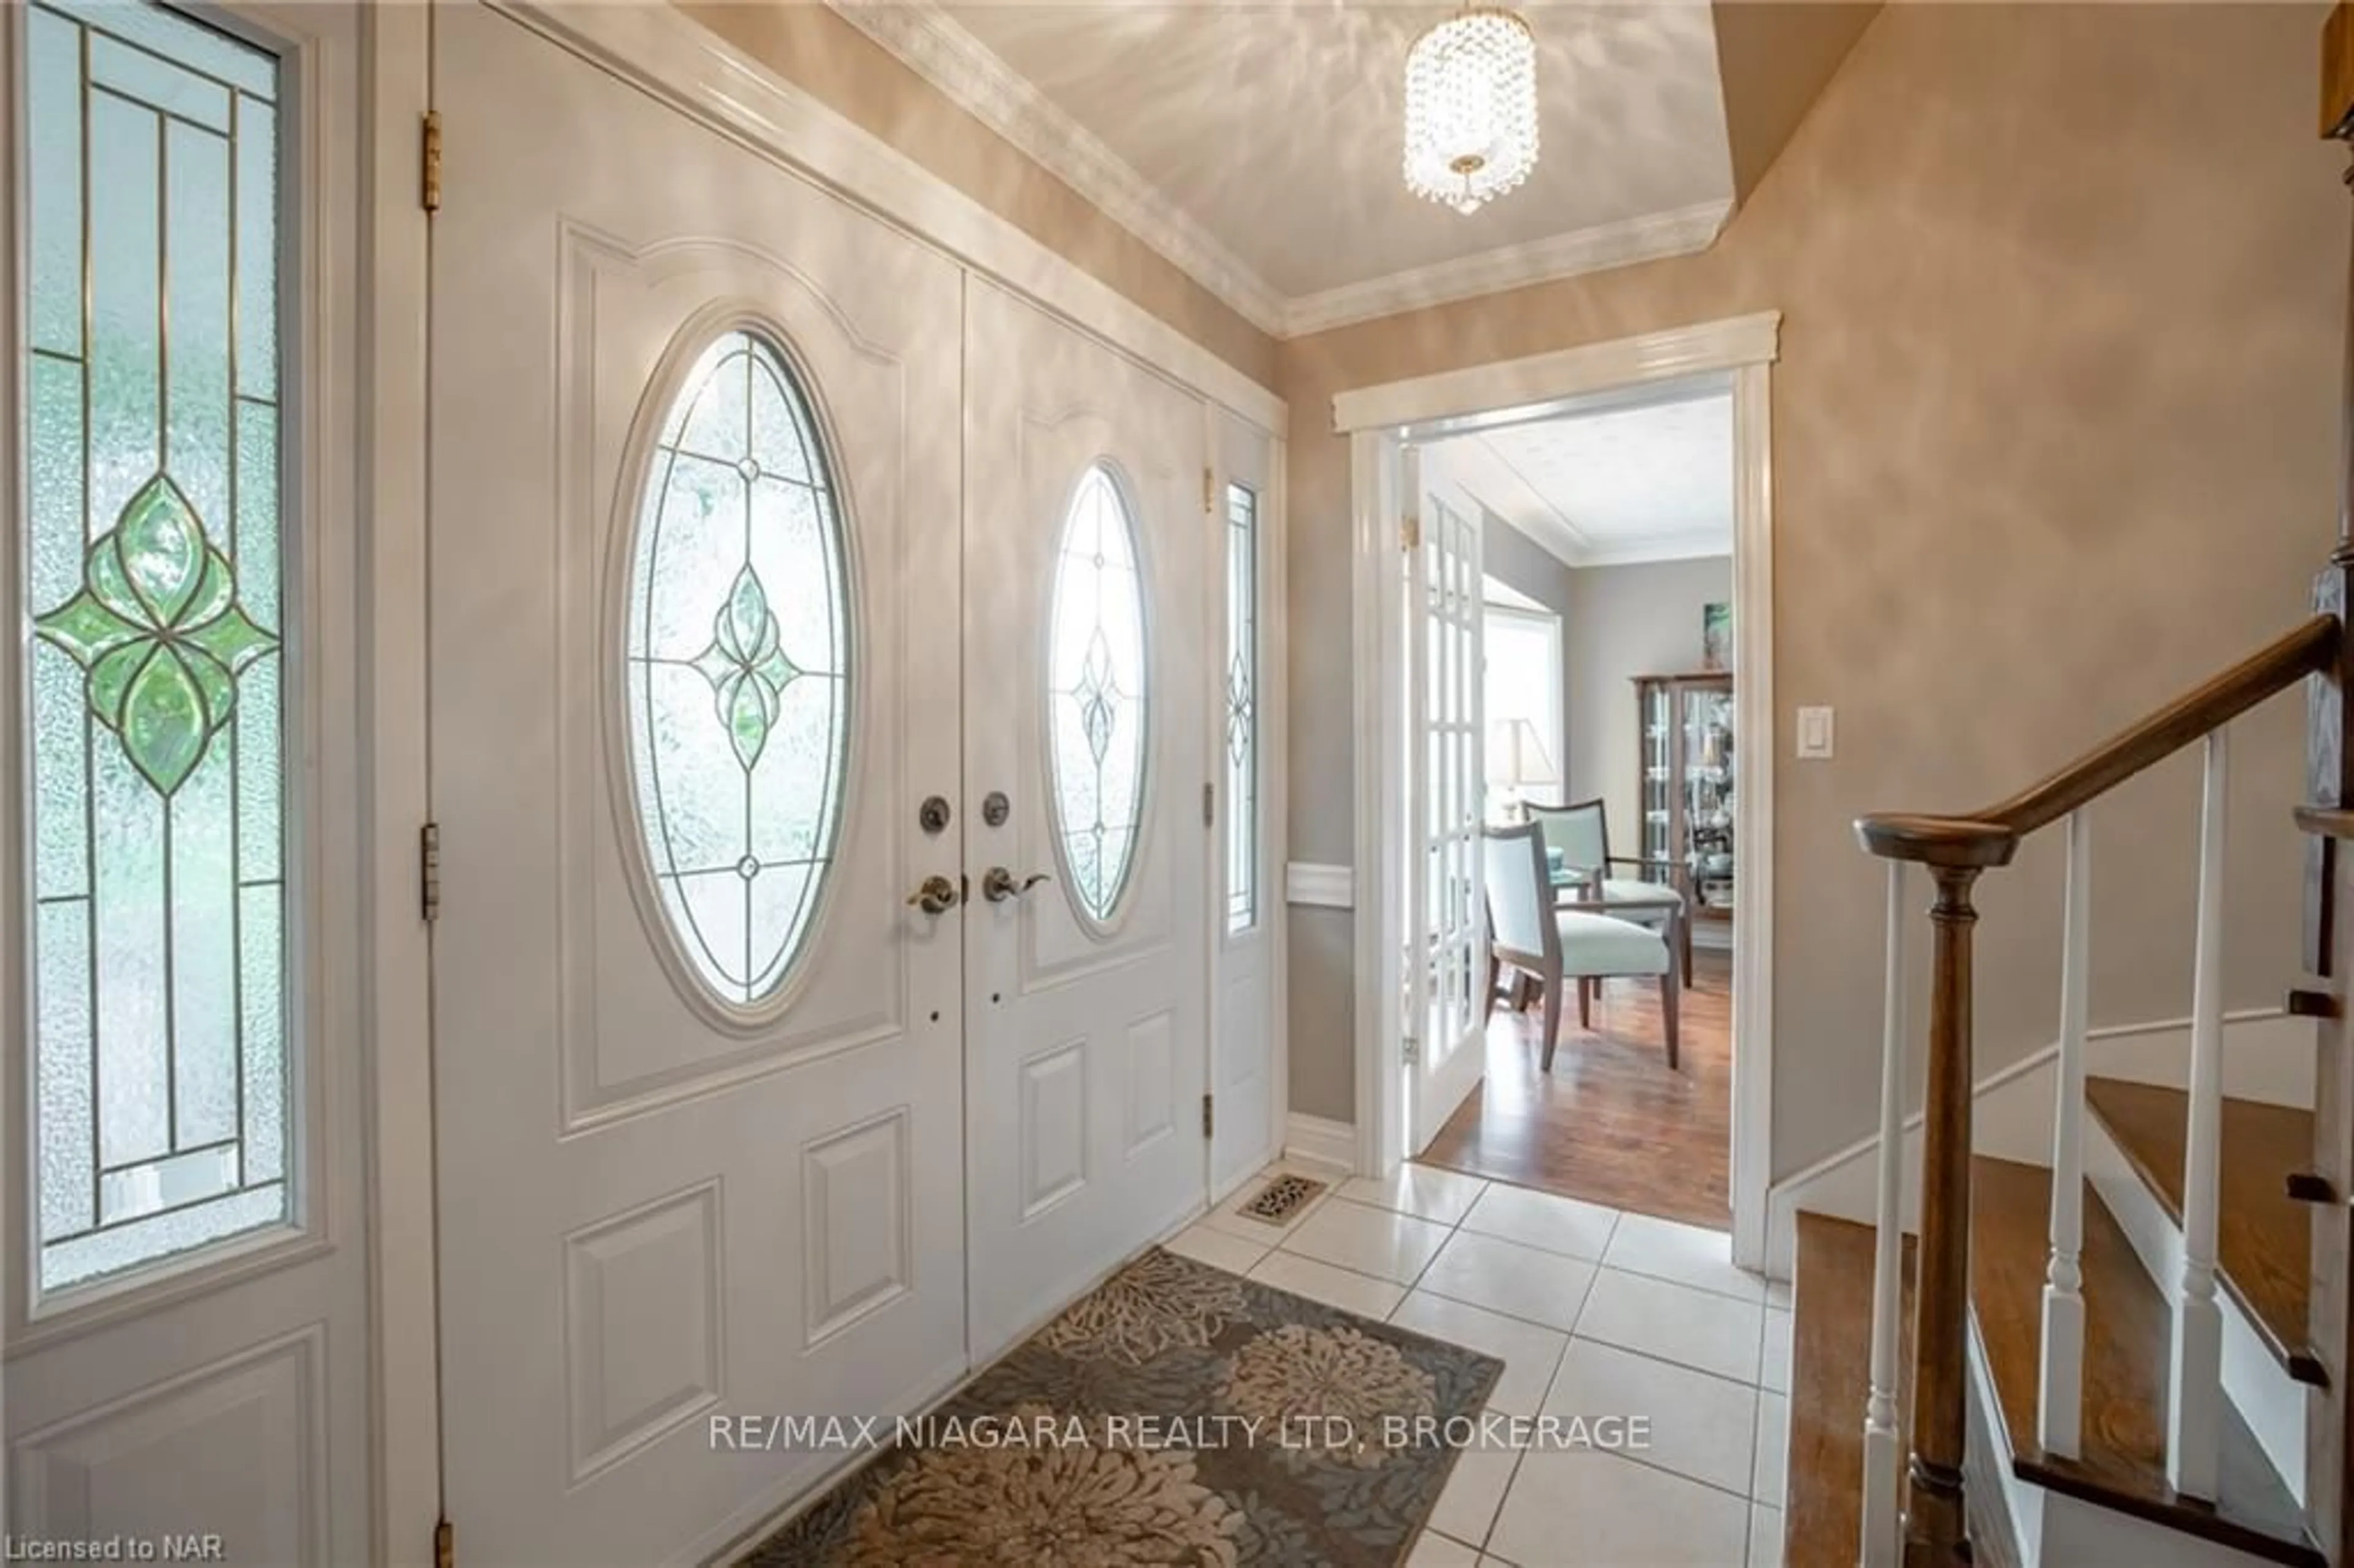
[(1095, 689), (737, 668), (161, 1000)]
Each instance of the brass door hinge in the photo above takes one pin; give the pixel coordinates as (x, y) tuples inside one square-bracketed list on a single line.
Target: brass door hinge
[(1410, 533), (1209, 489), (1209, 1117), (429, 163), (1209, 805), (428, 870), (445, 1546)]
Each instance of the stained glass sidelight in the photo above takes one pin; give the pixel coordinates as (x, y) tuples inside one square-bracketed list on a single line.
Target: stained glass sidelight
[(739, 668), (1095, 693), (156, 754), (1242, 709)]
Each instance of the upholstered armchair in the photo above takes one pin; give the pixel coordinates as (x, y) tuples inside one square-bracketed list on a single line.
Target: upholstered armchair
[(1529, 932), (1578, 838)]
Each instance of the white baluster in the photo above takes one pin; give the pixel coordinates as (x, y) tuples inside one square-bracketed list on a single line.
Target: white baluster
[(1884, 1446), (2059, 1408), (2195, 1413)]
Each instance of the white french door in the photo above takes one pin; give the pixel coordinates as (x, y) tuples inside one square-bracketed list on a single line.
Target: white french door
[(1087, 680), (1446, 900), (694, 520), (182, 758)]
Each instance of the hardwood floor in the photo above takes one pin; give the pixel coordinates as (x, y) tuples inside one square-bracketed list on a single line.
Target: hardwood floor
[(1610, 1124)]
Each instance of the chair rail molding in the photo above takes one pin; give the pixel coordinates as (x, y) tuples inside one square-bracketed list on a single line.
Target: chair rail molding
[(1379, 420), (1315, 885)]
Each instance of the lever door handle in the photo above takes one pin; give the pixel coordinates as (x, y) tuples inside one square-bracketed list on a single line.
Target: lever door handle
[(937, 895), (997, 884)]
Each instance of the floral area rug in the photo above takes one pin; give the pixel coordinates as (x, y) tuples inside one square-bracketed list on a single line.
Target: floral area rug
[(1177, 1414)]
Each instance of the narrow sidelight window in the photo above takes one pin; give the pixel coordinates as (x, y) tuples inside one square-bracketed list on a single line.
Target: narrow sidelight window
[(156, 621), (1242, 709)]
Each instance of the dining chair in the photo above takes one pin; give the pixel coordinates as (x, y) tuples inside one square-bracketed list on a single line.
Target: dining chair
[(1579, 835), (1529, 931)]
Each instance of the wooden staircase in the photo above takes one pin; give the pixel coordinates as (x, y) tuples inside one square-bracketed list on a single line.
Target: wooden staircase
[(2121, 1462), (2142, 1353)]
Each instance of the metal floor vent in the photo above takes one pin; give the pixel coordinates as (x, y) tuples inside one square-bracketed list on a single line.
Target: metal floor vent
[(1281, 1198)]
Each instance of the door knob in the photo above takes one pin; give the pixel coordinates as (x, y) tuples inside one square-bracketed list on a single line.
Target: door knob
[(997, 884), (937, 895)]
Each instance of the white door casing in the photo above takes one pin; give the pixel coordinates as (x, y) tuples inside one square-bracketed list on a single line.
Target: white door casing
[(225, 1393), (657, 1211), (1447, 961), (1087, 1037), (1246, 912)]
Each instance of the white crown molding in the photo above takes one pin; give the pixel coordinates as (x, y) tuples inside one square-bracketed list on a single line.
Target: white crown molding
[(1650, 237), (941, 50), (1685, 545), (1503, 489), (669, 54)]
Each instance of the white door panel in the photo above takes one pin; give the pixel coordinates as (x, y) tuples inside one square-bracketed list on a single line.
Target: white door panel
[(1088, 1048), (186, 1330), (665, 1200), (1247, 912)]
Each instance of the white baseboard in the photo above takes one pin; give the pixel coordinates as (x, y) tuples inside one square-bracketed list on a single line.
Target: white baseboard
[(2267, 1055), (1316, 1140)]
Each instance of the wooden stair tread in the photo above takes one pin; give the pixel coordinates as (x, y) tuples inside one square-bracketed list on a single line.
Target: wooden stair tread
[(1830, 1379), (2266, 1240), (2126, 1355)]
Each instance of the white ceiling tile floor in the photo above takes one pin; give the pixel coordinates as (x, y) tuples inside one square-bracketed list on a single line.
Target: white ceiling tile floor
[(1423, 1191), (1675, 1323), (1542, 1219), (1662, 1327)]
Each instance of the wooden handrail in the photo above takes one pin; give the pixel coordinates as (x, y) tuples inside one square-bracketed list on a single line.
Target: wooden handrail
[(1990, 837)]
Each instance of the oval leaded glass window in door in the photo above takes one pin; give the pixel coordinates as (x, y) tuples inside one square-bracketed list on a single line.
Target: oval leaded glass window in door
[(739, 668), (1096, 694), (156, 759)]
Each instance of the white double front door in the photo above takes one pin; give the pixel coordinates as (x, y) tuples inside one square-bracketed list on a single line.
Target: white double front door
[(786, 581)]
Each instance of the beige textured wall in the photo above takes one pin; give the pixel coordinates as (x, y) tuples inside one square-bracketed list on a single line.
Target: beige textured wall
[(1626, 622), (809, 44), (1773, 60), (2054, 430)]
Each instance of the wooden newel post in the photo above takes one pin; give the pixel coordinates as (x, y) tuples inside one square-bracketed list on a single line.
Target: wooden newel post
[(1937, 1532)]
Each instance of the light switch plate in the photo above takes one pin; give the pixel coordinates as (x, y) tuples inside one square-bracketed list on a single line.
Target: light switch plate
[(1814, 734)]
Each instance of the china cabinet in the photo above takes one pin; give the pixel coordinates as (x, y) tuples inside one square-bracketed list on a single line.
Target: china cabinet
[(1686, 789)]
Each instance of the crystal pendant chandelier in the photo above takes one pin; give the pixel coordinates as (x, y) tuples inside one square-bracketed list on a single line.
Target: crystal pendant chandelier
[(1471, 108)]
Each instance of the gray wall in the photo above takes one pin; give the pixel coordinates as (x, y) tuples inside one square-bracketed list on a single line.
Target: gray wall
[(1626, 622)]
